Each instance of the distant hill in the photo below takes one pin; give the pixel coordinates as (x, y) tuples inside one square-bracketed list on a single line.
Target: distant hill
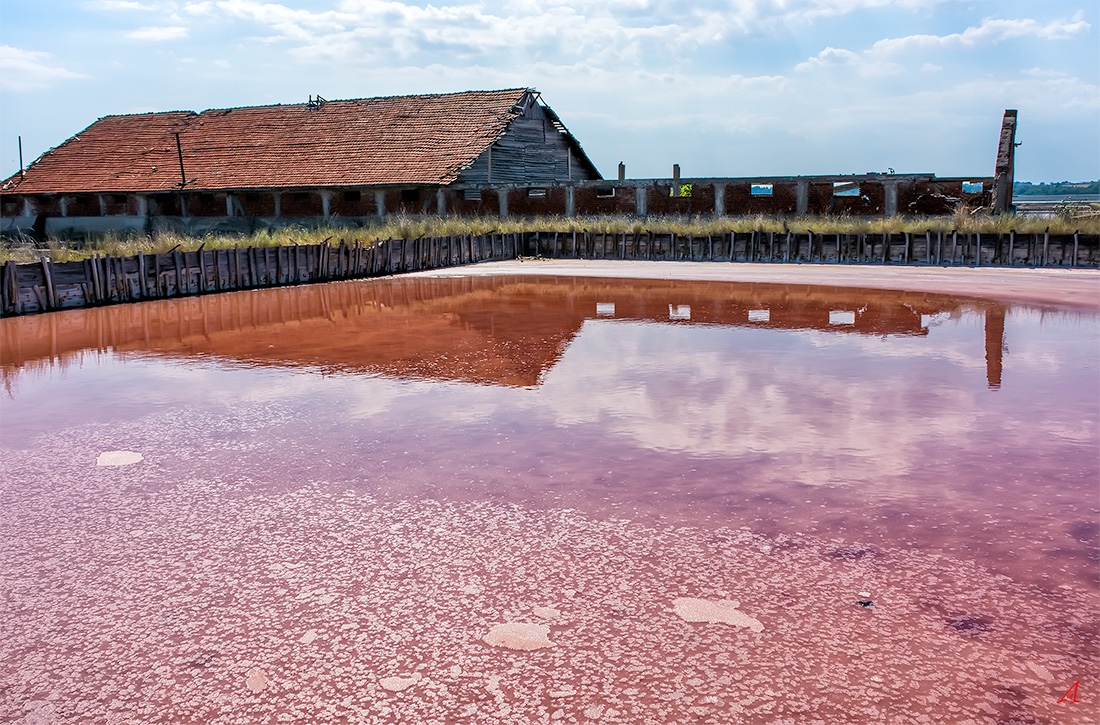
[(1056, 188)]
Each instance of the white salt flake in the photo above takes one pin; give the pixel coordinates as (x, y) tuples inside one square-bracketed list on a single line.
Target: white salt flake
[(118, 458), (397, 684), (518, 635), (593, 712), (1041, 671), (309, 636), (723, 610), (546, 612), (257, 680)]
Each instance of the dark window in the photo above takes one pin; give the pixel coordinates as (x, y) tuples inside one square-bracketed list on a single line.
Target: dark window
[(410, 196), (301, 196), (252, 197), (536, 193), (471, 194), (206, 198), (605, 192), (352, 196), (118, 198)]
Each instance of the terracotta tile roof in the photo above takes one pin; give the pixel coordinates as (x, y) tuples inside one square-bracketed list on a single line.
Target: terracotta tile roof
[(425, 139)]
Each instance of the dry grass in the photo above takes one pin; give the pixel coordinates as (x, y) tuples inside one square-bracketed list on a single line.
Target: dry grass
[(119, 244)]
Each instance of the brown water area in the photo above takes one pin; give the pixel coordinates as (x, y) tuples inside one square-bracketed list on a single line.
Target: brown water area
[(532, 499)]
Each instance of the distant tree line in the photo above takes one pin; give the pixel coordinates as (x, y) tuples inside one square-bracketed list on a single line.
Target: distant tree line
[(1055, 188)]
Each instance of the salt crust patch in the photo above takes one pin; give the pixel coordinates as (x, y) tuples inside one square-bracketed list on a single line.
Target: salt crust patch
[(519, 635), (397, 684), (546, 612), (714, 611), (257, 680), (118, 458), (224, 532)]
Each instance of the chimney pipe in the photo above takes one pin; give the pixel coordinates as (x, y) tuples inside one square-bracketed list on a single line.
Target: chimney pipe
[(676, 173), (179, 152)]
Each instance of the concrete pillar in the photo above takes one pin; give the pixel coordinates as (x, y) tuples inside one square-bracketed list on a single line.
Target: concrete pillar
[(622, 171), (28, 207), (640, 193), (802, 199), (64, 206), (102, 204), (143, 205), (380, 203), (440, 202), (502, 195), (570, 201), (278, 204), (229, 205), (326, 202), (891, 189), (719, 200)]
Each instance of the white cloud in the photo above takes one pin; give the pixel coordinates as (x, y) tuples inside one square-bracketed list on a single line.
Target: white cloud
[(990, 31), (829, 57), (174, 32), (22, 70)]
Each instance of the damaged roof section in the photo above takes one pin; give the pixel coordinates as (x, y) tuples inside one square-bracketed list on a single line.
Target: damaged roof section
[(396, 140)]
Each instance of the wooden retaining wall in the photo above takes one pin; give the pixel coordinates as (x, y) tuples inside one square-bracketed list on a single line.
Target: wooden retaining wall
[(45, 286)]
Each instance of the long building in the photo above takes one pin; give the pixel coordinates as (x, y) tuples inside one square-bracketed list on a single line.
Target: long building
[(487, 153)]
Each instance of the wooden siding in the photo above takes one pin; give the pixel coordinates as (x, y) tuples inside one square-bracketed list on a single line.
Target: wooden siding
[(532, 151)]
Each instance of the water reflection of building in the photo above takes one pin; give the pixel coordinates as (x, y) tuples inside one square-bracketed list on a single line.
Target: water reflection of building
[(491, 330)]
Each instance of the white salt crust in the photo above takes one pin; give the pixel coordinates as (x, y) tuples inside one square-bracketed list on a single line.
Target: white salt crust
[(714, 611), (201, 618), (519, 635), (118, 458)]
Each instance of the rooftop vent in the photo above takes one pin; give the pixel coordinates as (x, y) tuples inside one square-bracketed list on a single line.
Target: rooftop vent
[(315, 103)]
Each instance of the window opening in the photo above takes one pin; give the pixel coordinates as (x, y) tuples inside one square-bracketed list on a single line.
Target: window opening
[(761, 189), (845, 188)]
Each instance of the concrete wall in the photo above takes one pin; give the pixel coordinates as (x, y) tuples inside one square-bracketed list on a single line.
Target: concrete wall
[(248, 210)]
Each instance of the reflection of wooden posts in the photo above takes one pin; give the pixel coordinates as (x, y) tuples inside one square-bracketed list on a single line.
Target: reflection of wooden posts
[(994, 344)]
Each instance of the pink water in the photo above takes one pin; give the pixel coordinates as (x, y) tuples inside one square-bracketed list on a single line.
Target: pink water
[(350, 482)]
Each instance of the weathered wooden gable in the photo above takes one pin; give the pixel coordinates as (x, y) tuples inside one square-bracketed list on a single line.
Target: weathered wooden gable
[(535, 149)]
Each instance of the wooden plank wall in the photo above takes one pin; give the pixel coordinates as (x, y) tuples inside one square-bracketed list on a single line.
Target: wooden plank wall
[(43, 286)]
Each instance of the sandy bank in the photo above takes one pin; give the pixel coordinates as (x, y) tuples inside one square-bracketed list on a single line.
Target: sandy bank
[(1061, 287)]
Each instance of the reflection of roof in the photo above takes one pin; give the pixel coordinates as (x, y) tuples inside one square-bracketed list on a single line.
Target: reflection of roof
[(494, 330), (424, 139)]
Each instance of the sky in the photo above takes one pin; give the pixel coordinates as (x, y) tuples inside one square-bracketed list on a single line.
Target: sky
[(734, 88)]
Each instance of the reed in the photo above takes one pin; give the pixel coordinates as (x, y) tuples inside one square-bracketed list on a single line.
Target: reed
[(23, 249)]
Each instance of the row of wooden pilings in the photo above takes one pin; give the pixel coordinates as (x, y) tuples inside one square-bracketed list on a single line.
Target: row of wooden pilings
[(45, 286)]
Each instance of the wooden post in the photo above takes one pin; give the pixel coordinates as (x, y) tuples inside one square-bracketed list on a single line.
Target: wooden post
[(1076, 242), (97, 289), (179, 272), (143, 285), (954, 245), (1011, 246), (51, 293), (1046, 245), (978, 250), (13, 285)]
